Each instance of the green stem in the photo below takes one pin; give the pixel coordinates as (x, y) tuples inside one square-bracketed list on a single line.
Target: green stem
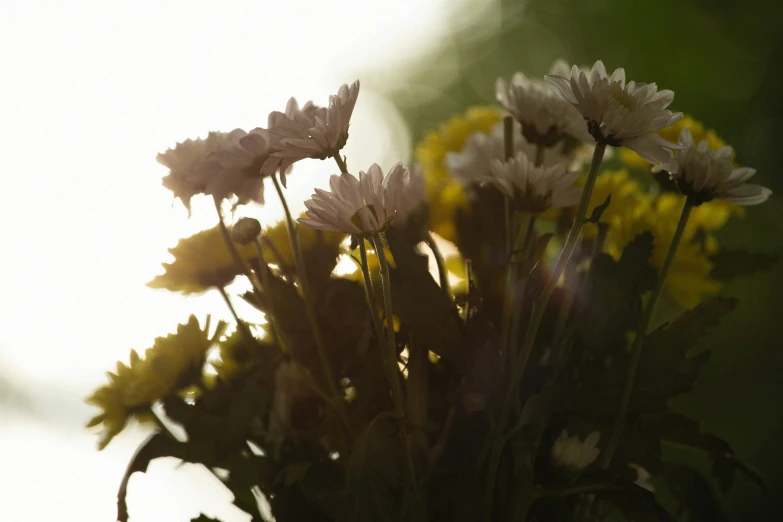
[(391, 356), (307, 297), (266, 283), (391, 343), (638, 343), (443, 274), (508, 149), (239, 321), (540, 305), (341, 163), (238, 261), (369, 291)]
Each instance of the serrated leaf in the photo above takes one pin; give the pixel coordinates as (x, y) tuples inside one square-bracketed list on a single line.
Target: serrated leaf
[(729, 263), (666, 368), (423, 306)]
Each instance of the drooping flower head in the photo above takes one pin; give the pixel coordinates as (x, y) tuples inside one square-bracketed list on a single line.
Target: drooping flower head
[(535, 189), (235, 169), (546, 118), (620, 114), (703, 174), (361, 207), (184, 160), (314, 132)]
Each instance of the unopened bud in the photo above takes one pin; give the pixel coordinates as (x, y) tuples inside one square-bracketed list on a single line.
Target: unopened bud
[(246, 230)]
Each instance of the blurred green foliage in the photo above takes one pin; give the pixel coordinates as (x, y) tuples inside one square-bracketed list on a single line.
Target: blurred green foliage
[(722, 59)]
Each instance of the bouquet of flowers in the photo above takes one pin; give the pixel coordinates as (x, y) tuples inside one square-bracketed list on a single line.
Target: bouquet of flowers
[(493, 334)]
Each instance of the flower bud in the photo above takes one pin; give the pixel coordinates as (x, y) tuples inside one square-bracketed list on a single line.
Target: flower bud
[(246, 230)]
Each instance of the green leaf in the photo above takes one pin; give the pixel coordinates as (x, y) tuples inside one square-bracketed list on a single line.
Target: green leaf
[(203, 518), (599, 210), (678, 429), (729, 263), (615, 299), (694, 493), (423, 306), (156, 446), (666, 369), (293, 473)]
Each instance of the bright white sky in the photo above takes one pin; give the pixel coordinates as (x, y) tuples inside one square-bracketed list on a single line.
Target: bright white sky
[(91, 91)]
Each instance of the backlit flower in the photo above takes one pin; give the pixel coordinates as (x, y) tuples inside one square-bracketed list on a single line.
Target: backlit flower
[(413, 199), (235, 169), (201, 261), (363, 206), (315, 132), (444, 195), (474, 161), (703, 174), (546, 118), (618, 113), (573, 453), (183, 160), (535, 189), (174, 363)]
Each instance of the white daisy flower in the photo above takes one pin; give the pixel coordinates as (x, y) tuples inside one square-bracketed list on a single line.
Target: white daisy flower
[(572, 453), (315, 132), (535, 189), (361, 207), (474, 161), (235, 169), (620, 114), (184, 159), (546, 118), (703, 174), (413, 198)]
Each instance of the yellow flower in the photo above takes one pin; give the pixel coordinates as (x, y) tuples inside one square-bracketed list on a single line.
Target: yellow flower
[(310, 240), (173, 364), (238, 355), (444, 194), (689, 278), (672, 134), (626, 193), (201, 261)]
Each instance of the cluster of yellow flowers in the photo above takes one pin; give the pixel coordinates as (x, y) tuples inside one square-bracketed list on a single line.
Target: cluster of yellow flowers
[(444, 194), (633, 208), (173, 364)]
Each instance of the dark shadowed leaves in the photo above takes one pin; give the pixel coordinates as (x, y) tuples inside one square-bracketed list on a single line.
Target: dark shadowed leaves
[(423, 306), (694, 494), (615, 299), (666, 368)]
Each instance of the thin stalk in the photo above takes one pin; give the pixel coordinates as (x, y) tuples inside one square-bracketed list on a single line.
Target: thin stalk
[(369, 291), (638, 343), (540, 305), (509, 297), (508, 150), (391, 356), (307, 297), (443, 275), (391, 343), (240, 323), (341, 163), (539, 155), (238, 261), (440, 444), (266, 283)]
